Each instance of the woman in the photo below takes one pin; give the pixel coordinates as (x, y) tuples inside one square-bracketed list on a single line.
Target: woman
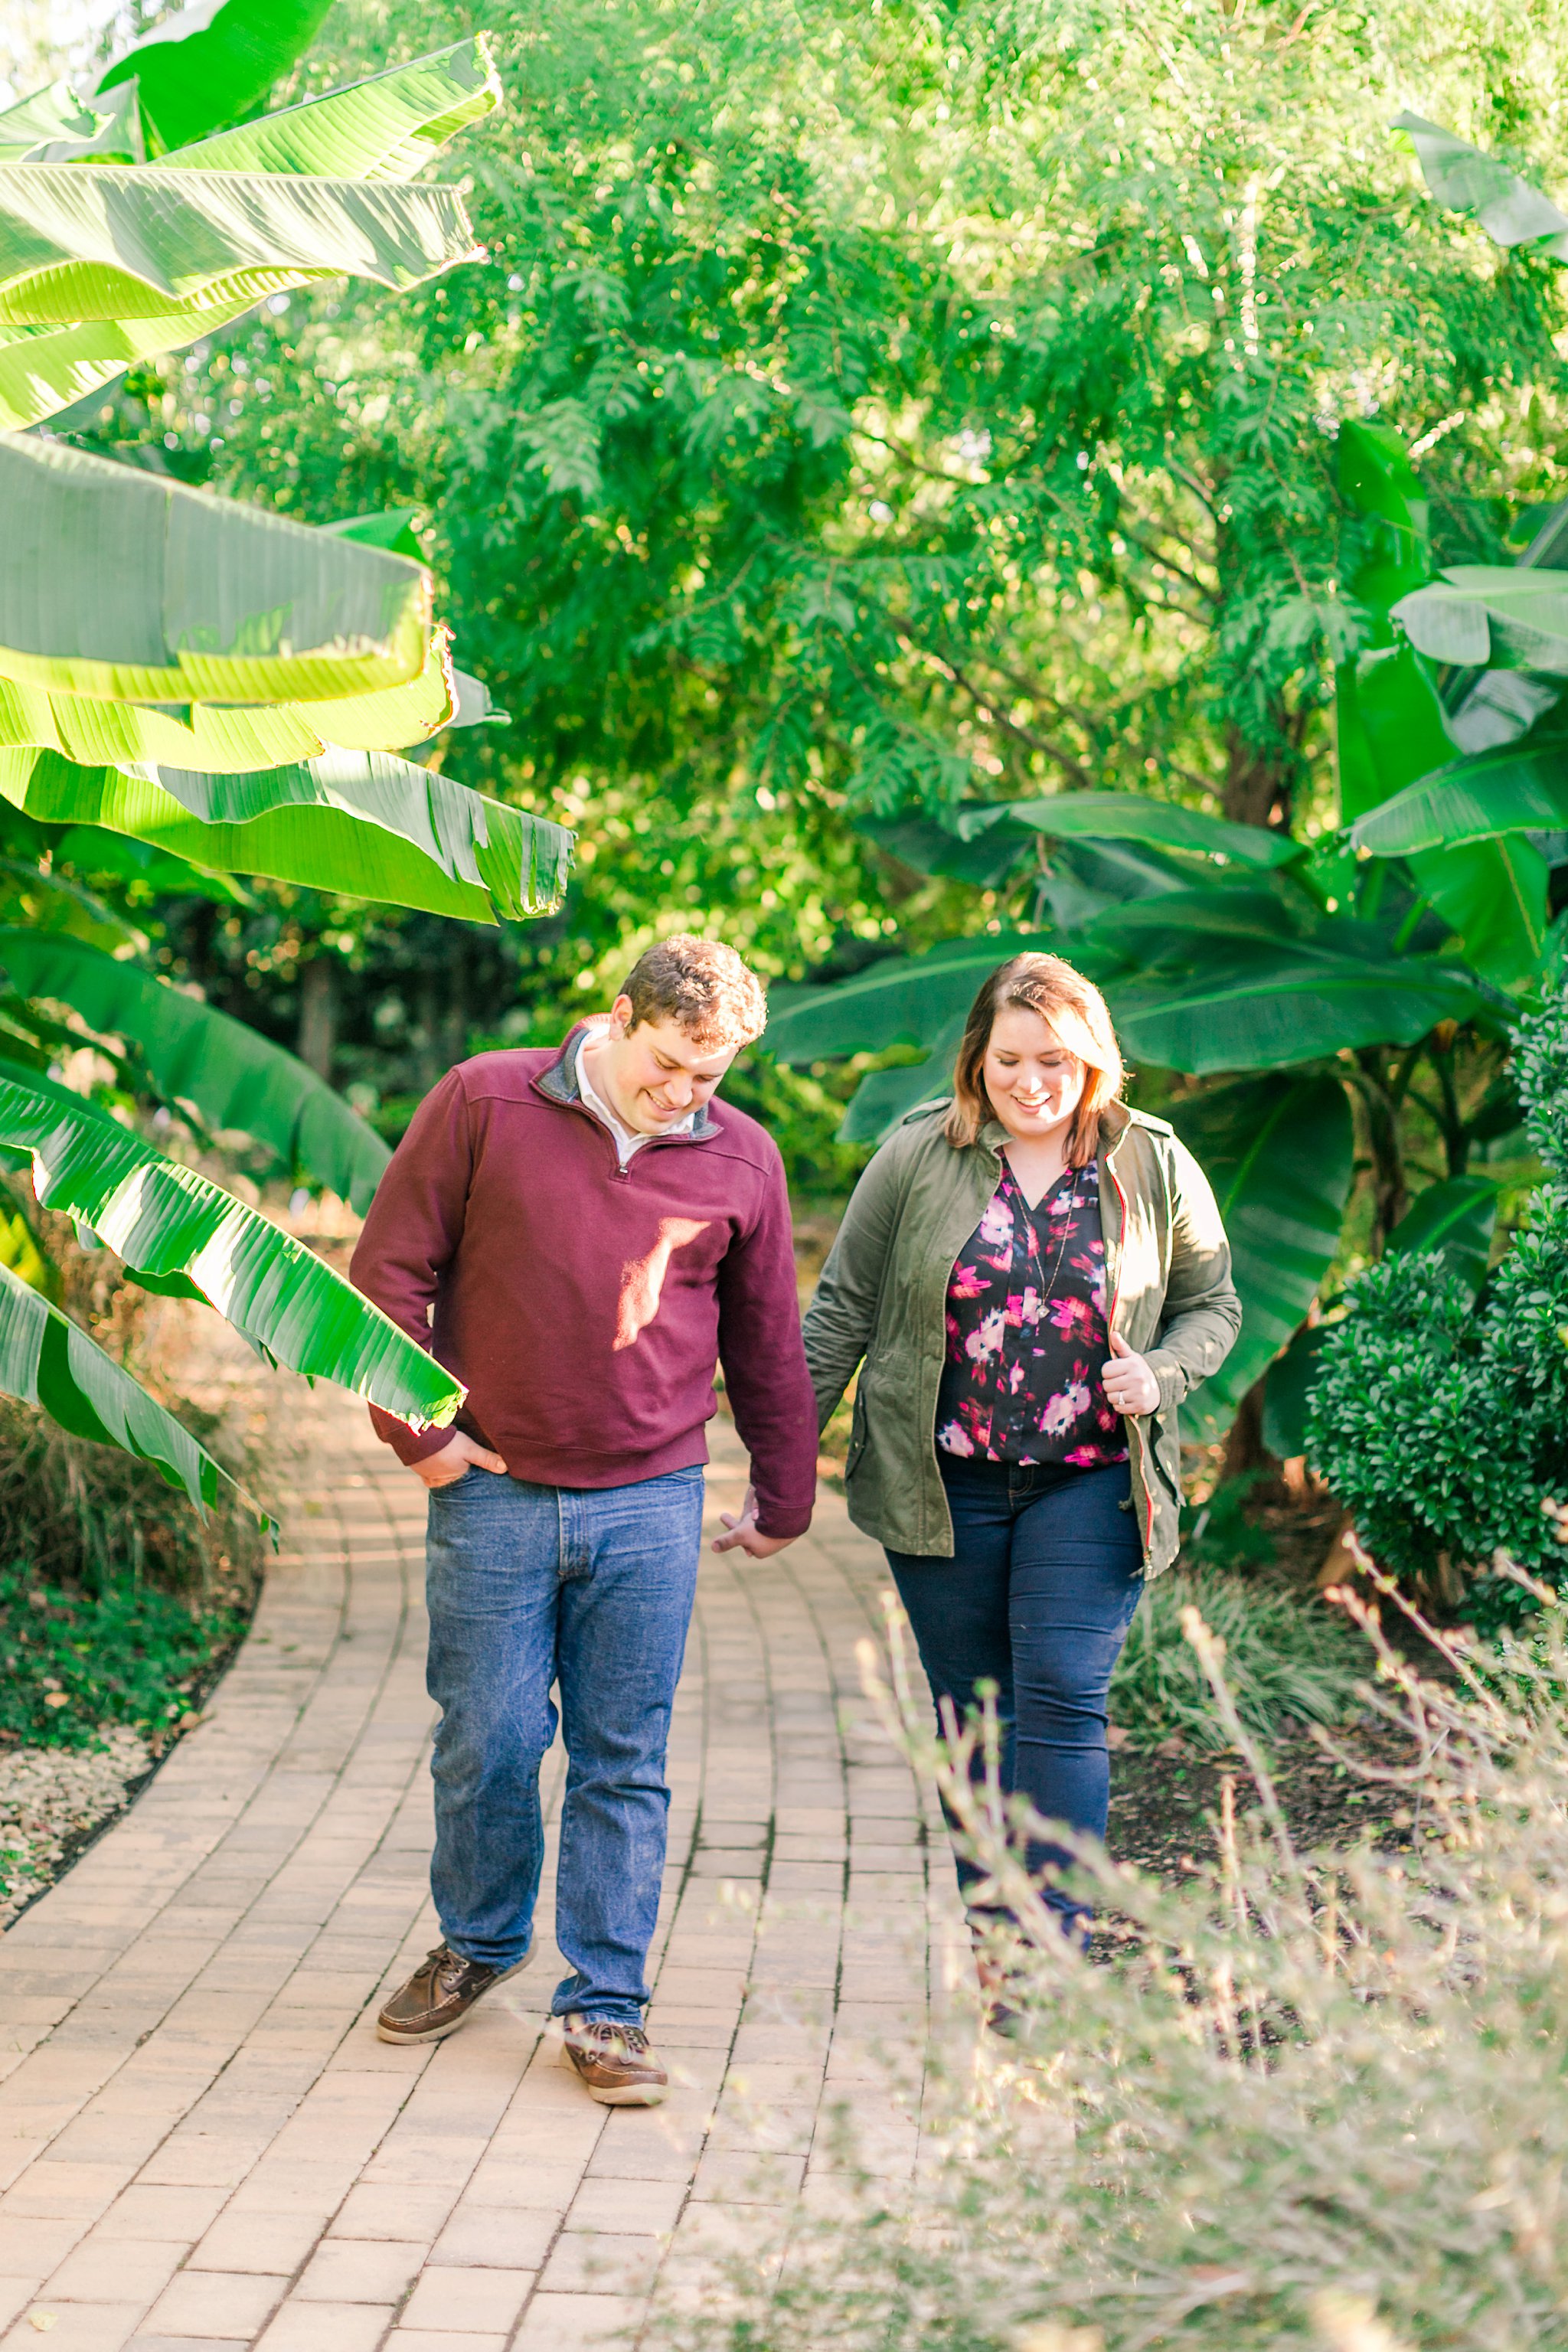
[(1031, 1277)]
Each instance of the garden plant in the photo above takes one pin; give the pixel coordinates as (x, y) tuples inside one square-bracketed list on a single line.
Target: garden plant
[(1296, 2100), (1438, 1412), (210, 687)]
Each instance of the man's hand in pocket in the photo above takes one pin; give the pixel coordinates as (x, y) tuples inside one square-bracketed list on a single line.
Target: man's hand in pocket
[(458, 1454)]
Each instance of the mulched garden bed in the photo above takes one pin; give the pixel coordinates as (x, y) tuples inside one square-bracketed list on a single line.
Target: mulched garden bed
[(1163, 1806)]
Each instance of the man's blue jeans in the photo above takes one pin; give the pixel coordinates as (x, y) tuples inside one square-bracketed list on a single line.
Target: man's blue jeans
[(1047, 1571), (589, 1588)]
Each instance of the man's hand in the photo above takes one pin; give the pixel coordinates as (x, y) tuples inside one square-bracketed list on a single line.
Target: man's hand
[(458, 1454), (1130, 1385), (741, 1528)]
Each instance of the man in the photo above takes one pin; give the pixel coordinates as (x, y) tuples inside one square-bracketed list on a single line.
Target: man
[(579, 1235)]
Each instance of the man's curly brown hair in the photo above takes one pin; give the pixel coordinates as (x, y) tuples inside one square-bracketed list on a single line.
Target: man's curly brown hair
[(701, 986)]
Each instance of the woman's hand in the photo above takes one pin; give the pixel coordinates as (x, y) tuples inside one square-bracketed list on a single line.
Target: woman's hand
[(741, 1528), (1130, 1385)]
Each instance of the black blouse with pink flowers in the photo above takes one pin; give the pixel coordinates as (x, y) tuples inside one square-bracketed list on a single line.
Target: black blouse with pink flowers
[(1027, 1332)]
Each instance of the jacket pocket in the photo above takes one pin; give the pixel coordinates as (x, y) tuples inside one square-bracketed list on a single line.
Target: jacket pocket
[(857, 1425), (1166, 1452)]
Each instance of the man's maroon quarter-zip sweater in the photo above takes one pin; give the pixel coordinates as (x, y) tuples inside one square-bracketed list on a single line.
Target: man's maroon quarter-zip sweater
[(584, 1305)]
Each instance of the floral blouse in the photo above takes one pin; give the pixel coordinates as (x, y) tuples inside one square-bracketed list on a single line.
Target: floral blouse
[(1027, 1332)]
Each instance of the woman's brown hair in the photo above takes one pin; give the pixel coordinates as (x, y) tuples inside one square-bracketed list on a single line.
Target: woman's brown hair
[(1076, 1013)]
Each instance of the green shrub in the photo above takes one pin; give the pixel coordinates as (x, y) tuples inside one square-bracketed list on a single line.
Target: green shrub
[(1286, 1656), (1441, 1421)]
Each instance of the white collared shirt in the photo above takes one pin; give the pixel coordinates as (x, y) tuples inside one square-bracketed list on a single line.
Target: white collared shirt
[(626, 1139)]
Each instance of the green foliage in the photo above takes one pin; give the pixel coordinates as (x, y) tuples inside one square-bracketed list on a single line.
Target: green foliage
[(193, 1053), (1287, 1657), (1441, 1420), (119, 1601), (72, 1661), (1279, 1153), (905, 404)]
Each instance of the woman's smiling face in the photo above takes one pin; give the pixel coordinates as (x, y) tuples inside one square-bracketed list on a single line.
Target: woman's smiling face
[(1033, 1083)]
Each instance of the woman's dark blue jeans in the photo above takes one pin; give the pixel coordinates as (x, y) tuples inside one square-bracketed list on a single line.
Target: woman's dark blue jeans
[(1046, 1572)]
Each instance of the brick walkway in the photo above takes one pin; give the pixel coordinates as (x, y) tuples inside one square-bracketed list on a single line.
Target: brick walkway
[(202, 2143)]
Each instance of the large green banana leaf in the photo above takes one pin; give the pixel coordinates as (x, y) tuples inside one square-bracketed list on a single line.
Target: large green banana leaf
[(885, 1097), (46, 1360), (89, 850), (228, 739), (1496, 616), (235, 1077), (1128, 816), (1249, 1007), (135, 241), (383, 128), (124, 584), (179, 1234), (1493, 895), (361, 824), (213, 62), (1519, 788), (387, 127), (1279, 1154), (902, 1000), (1464, 179)]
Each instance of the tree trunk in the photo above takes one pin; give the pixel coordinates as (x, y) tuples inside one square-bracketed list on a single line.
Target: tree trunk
[(1244, 1448), (318, 1014), (1389, 1194), (1258, 784)]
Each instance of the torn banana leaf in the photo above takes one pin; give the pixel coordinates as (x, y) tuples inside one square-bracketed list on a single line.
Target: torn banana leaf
[(46, 1360), (228, 739), (125, 585), (361, 824), (184, 1236)]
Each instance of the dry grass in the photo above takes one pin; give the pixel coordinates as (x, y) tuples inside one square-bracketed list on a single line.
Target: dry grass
[(1307, 2101)]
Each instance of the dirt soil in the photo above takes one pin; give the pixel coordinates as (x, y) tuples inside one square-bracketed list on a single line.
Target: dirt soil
[(1163, 1807)]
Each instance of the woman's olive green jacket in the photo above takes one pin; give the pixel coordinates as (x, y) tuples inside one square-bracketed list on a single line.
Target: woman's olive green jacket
[(883, 1304)]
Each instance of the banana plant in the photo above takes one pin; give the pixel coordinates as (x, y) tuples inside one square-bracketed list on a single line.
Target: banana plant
[(218, 689)]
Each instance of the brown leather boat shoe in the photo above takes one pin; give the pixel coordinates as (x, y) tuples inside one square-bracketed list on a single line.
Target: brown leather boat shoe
[(615, 2060), (437, 1997)]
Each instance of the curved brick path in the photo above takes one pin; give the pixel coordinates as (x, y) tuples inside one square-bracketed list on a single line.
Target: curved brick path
[(201, 2142)]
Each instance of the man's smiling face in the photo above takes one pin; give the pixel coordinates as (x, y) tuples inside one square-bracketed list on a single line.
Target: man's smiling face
[(652, 1075)]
